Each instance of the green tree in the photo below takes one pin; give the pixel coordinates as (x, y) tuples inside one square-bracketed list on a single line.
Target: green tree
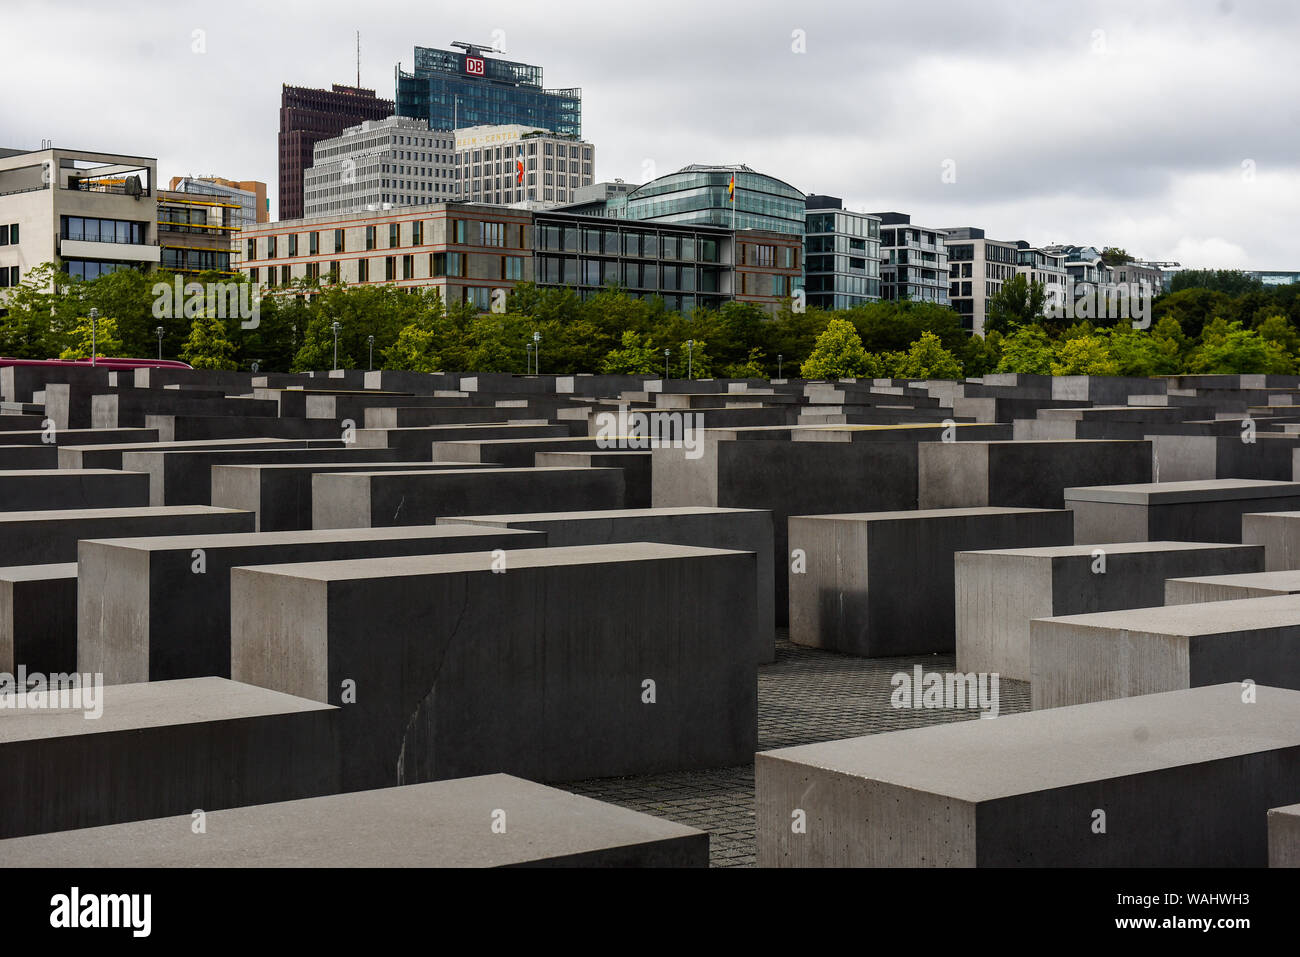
[(839, 354), (208, 346), (1018, 303), (1027, 350), (928, 359), (1227, 348), (1084, 355), (1277, 328), (632, 357), (103, 336), (752, 368)]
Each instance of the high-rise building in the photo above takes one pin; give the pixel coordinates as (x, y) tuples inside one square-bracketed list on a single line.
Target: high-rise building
[(391, 162), (196, 233), (1042, 266), (307, 116), (977, 268), (88, 213), (913, 261), (703, 196), (841, 254), (515, 164), (454, 89), (248, 195)]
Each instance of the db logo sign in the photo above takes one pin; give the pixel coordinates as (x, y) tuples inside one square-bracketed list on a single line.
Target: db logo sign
[(474, 65)]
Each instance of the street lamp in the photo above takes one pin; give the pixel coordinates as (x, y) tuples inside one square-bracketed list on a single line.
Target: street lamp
[(779, 357), (537, 352), (370, 340), (690, 358), (254, 365), (528, 358), (336, 327), (159, 332), (94, 318), (667, 353)]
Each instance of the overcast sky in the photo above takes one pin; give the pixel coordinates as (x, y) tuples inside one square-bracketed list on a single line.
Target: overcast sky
[(1171, 129)]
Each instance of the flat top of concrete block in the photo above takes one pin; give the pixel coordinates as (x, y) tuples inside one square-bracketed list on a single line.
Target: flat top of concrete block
[(926, 514), (475, 469), (1110, 548), (1198, 490), (162, 543), (1200, 618), (987, 759), (1291, 810), (455, 563), (1281, 516), (48, 473), (606, 515), (439, 824), (38, 573), (343, 466), (150, 704), (74, 514), (143, 446), (1282, 581)]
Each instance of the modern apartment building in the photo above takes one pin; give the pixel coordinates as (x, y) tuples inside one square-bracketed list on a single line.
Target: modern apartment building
[(841, 254), (395, 161), (451, 89), (196, 233), (1150, 276), (89, 213), (248, 195), (522, 164), (1040, 265), (977, 268), (913, 260), (308, 116), (466, 250), (733, 197)]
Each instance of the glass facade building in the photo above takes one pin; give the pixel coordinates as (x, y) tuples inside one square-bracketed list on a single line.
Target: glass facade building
[(697, 195), (453, 90), (841, 255), (913, 261)]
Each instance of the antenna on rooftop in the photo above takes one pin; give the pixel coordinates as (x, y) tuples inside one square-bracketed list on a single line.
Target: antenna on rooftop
[(358, 59)]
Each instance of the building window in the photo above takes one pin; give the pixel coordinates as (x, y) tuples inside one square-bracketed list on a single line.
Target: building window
[(394, 235), (417, 233), (513, 267), (87, 229), (285, 277), (252, 248), (338, 241), (270, 247), (494, 234), (446, 264), (408, 267), (363, 267), (313, 244), (293, 244), (390, 268), (458, 231), (370, 237)]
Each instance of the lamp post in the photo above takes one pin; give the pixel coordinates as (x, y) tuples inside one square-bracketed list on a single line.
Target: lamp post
[(94, 318), (370, 340), (667, 353), (779, 357), (255, 365), (537, 352), (528, 358), (690, 358), (160, 332), (336, 327)]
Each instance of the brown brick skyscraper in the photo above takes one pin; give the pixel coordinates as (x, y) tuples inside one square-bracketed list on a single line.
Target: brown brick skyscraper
[(308, 115)]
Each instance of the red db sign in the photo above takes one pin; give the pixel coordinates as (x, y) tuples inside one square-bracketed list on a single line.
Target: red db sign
[(474, 65)]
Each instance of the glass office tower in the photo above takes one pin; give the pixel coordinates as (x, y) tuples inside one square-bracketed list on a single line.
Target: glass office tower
[(698, 195)]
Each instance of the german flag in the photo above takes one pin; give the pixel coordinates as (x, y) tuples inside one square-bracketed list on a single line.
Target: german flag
[(519, 167), (731, 189)]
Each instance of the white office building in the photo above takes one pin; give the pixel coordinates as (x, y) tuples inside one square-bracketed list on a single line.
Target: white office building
[(522, 164)]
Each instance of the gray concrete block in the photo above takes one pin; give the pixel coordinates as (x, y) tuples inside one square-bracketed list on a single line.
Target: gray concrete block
[(1000, 591), (279, 495), (1205, 511), (437, 824), (1284, 836), (1181, 458), (1139, 651), (28, 489), (636, 468), (416, 444), (375, 499), (881, 583), (1279, 533), (1184, 780), (109, 455), (155, 609), (539, 670), (29, 456), (64, 437), (47, 537), (38, 621), (1186, 591), (158, 748), (512, 453), (1023, 474), (181, 428), (747, 530)]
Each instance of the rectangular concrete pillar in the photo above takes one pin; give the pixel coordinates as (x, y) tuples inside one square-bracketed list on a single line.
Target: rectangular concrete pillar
[(204, 743), (635, 466), (739, 529), (1279, 533), (47, 537), (1183, 779), (437, 824), (1206, 511), (155, 609), (556, 663), (1284, 836), (38, 619), (1000, 591), (375, 499), (29, 489), (1186, 591), (1141, 651), (881, 583)]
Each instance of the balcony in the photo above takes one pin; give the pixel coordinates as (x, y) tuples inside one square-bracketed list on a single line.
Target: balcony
[(120, 252)]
